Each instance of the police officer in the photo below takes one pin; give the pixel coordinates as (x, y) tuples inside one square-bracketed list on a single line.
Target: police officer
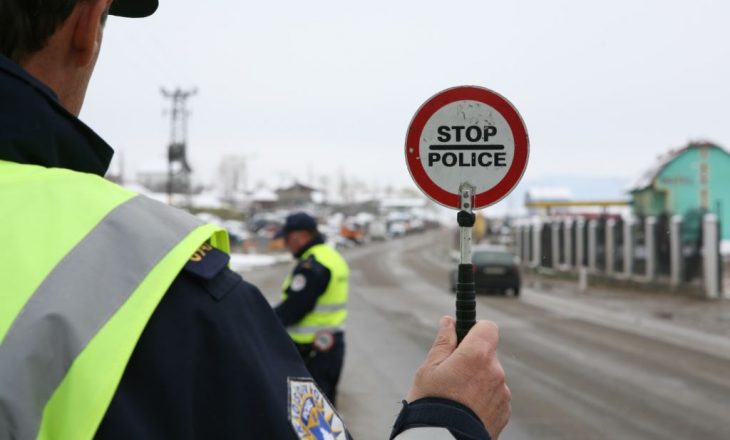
[(119, 317), (314, 303)]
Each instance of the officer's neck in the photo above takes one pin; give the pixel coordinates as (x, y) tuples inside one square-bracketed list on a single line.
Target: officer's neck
[(317, 239)]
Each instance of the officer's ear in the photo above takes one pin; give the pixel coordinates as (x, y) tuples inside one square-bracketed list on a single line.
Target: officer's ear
[(90, 18)]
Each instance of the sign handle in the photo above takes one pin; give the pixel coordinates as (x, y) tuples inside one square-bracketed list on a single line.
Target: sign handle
[(465, 291)]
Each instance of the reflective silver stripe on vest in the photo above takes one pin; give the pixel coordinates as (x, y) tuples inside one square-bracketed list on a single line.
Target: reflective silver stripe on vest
[(329, 307), (75, 300), (315, 329)]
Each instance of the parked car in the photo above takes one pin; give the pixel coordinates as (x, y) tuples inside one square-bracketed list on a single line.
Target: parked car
[(398, 229), (353, 231), (378, 230), (495, 270)]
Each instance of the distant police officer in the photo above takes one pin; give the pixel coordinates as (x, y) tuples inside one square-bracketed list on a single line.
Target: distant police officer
[(119, 318), (314, 303)]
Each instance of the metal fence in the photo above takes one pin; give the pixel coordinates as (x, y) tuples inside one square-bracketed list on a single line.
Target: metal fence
[(644, 249)]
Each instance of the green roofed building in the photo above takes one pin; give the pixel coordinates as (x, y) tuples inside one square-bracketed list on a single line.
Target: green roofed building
[(688, 182)]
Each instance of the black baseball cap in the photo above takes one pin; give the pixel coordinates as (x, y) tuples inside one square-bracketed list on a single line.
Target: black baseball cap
[(133, 8), (299, 221)]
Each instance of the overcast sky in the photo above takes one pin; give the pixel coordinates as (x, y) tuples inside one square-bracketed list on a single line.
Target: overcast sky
[(329, 87)]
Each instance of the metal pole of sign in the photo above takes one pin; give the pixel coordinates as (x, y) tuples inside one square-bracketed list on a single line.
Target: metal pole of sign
[(465, 298)]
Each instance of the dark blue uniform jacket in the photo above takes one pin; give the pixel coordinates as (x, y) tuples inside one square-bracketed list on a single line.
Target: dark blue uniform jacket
[(301, 301), (214, 359)]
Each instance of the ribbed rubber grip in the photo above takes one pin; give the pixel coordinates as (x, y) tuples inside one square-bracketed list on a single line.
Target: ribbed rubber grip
[(466, 304)]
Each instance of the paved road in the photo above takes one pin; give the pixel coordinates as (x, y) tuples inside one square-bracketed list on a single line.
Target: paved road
[(570, 379)]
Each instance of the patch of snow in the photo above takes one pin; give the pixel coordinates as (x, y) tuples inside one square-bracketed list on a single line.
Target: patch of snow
[(249, 261)]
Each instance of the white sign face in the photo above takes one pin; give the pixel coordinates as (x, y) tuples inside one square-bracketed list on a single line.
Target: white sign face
[(467, 135), (466, 141)]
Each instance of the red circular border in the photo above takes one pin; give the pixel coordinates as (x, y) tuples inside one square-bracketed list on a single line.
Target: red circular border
[(471, 93)]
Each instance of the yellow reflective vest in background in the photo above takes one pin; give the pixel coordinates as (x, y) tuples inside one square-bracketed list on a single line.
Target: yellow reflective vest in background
[(84, 264), (330, 311)]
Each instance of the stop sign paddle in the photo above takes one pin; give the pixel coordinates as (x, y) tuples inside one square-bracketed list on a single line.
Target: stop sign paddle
[(466, 148)]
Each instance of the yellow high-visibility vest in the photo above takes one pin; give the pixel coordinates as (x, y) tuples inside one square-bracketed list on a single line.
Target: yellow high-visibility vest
[(84, 264), (330, 312)]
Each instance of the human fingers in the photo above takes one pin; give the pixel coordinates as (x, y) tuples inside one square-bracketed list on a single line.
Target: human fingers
[(444, 344), (481, 341)]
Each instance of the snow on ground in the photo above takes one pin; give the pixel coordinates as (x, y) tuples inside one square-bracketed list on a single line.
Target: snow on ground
[(248, 261)]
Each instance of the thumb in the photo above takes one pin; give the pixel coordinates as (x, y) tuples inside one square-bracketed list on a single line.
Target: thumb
[(445, 342)]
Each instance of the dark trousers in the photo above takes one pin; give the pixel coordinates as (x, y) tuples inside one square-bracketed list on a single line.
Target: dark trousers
[(325, 367)]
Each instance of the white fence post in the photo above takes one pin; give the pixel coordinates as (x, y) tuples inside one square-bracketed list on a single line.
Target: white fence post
[(568, 242), (582, 279), (579, 243), (592, 245), (526, 243), (537, 243), (710, 256), (629, 247), (555, 242), (676, 254), (610, 246), (650, 247)]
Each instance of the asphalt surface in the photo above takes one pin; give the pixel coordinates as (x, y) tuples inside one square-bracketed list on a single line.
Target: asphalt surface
[(572, 377)]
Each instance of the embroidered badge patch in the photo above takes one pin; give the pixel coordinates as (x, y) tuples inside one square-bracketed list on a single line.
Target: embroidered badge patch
[(298, 282), (310, 413), (207, 262), (324, 340)]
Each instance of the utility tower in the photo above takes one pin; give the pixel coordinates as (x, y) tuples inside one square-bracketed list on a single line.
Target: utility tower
[(178, 169)]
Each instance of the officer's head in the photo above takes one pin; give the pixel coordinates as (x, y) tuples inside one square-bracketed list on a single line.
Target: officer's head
[(58, 41), (299, 229)]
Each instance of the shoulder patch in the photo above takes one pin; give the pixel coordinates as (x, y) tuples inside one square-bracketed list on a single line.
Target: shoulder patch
[(310, 413), (298, 282), (207, 262)]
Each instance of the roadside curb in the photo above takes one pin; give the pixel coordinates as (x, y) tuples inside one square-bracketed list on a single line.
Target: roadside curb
[(707, 343)]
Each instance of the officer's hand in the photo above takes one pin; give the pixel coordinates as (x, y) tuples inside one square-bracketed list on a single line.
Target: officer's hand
[(470, 374)]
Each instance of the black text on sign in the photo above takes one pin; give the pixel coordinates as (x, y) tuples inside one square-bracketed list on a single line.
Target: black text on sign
[(466, 146)]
